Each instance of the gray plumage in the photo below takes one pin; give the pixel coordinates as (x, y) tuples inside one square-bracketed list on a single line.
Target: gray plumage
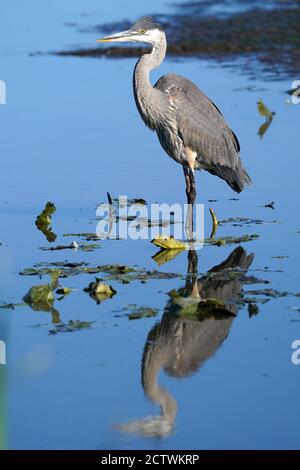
[(190, 128)]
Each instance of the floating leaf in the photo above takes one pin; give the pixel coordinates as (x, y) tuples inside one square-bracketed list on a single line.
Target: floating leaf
[(100, 291), (44, 220), (41, 297), (168, 243), (263, 110)]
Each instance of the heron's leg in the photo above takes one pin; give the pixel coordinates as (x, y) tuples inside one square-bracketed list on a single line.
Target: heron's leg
[(191, 197), (192, 187)]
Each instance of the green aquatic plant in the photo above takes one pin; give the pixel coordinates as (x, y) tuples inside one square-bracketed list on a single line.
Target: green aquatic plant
[(169, 243), (264, 110), (41, 297), (100, 291), (115, 272), (215, 223), (44, 220)]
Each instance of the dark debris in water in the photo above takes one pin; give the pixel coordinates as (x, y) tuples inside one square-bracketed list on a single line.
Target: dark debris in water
[(252, 309), (135, 312), (73, 246), (88, 236), (248, 221), (11, 306), (115, 272), (270, 205), (225, 241), (272, 293), (71, 326)]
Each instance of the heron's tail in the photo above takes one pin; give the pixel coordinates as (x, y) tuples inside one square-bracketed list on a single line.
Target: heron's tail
[(239, 180), (236, 178)]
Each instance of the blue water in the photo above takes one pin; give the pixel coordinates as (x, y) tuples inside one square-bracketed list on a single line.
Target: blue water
[(69, 133)]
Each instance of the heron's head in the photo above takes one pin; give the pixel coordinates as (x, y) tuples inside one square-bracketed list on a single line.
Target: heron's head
[(145, 31)]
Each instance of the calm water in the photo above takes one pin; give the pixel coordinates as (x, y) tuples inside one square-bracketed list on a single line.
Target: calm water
[(69, 133)]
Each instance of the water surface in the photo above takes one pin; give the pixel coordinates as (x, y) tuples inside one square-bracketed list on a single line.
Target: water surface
[(70, 132)]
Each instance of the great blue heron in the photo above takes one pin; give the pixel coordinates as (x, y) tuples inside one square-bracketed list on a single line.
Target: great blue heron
[(190, 127)]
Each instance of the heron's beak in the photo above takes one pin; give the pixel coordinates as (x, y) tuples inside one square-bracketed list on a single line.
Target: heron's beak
[(123, 36)]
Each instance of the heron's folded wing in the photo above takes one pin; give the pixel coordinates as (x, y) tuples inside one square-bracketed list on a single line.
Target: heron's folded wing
[(200, 124)]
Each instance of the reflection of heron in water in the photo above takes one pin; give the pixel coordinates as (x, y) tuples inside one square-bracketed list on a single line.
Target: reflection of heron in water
[(196, 320)]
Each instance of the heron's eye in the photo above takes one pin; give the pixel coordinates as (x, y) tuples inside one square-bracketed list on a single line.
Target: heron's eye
[(142, 31)]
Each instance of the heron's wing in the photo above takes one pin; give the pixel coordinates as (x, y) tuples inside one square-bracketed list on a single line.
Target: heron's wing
[(203, 129)]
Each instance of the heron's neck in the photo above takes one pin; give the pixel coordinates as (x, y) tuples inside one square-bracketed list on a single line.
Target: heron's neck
[(147, 98)]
